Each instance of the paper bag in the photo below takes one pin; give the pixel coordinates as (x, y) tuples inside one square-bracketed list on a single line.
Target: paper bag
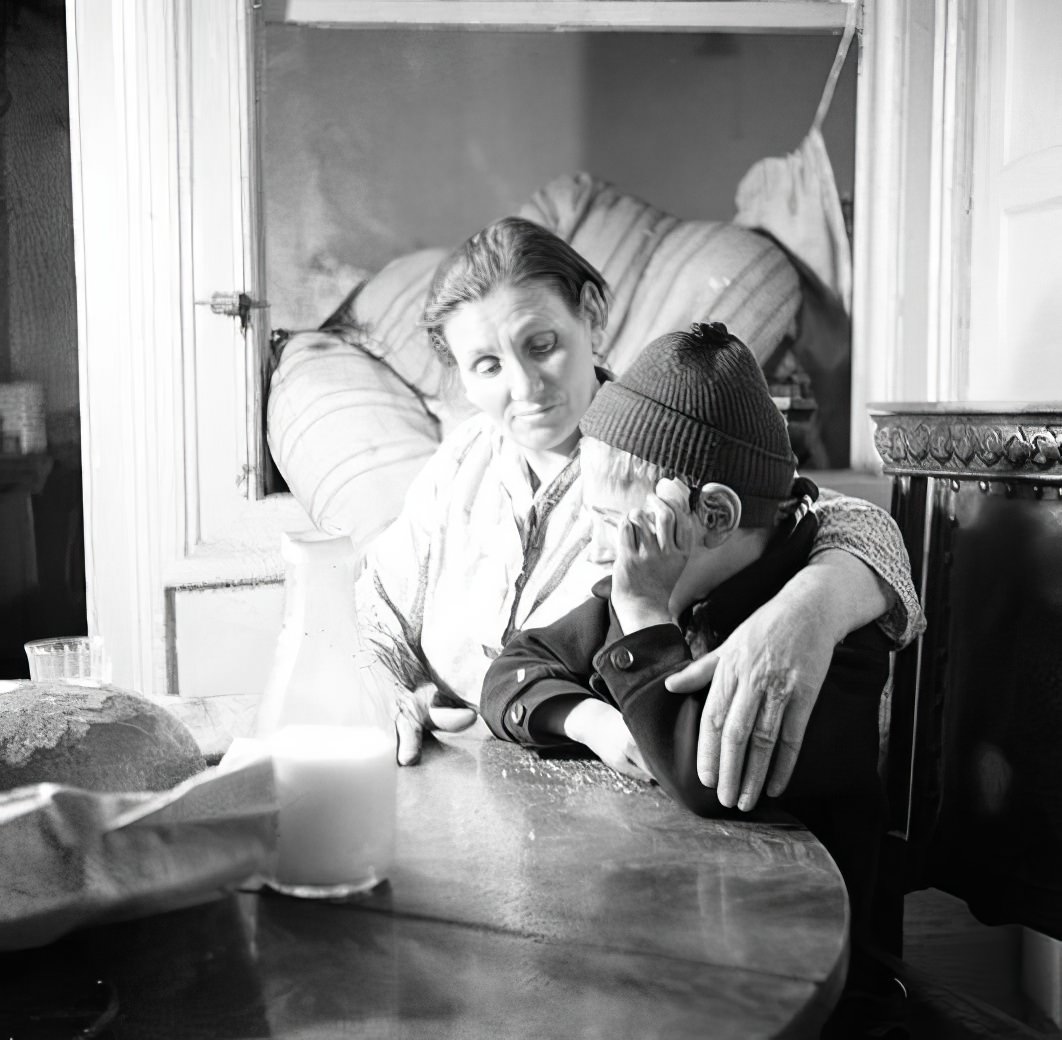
[(70, 857)]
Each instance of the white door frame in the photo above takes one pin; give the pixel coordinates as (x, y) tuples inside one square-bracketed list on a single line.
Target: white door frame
[(166, 187)]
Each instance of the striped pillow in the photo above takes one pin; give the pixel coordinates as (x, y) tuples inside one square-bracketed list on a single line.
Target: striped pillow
[(347, 432), (384, 311), (665, 273)]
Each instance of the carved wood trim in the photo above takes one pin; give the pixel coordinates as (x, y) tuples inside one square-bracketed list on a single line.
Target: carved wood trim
[(1024, 446)]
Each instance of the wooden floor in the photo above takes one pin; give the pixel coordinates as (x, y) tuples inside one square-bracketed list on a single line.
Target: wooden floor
[(962, 977)]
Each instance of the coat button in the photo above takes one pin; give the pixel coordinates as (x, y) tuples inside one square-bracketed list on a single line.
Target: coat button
[(622, 658), (517, 713)]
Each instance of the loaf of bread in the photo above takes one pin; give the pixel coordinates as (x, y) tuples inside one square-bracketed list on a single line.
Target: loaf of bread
[(99, 738)]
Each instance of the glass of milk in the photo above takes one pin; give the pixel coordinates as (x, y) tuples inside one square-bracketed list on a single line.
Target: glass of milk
[(336, 796), (330, 728)]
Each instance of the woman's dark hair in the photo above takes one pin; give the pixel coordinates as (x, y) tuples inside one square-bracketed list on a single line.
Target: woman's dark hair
[(511, 251)]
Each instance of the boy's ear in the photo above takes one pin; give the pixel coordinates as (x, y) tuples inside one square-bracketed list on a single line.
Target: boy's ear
[(592, 304), (719, 511)]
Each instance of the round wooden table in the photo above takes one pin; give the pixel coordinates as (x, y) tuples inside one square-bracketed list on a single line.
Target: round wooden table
[(533, 897)]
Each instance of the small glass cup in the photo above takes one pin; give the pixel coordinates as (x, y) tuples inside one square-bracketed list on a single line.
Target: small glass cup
[(76, 659)]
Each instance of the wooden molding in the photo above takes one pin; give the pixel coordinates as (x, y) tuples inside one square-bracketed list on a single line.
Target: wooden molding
[(124, 146), (610, 15), (961, 442), (164, 199)]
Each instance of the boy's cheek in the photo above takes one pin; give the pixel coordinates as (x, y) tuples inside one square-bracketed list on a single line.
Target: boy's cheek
[(602, 547), (689, 532)]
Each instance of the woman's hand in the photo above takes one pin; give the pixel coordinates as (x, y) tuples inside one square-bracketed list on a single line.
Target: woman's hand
[(766, 676), (601, 728), (765, 679), (426, 708), (651, 554)]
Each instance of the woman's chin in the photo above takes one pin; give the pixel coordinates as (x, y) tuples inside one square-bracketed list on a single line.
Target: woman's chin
[(549, 439)]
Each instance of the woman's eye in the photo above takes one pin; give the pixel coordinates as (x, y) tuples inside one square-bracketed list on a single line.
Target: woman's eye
[(485, 366), (542, 344)]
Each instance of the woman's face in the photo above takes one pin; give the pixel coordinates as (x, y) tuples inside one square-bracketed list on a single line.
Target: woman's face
[(526, 360)]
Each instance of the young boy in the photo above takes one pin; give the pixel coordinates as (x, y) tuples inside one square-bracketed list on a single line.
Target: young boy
[(693, 421)]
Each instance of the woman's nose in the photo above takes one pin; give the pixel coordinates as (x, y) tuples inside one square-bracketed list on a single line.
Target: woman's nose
[(526, 382)]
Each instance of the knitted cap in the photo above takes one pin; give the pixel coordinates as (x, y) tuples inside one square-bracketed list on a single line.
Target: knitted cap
[(697, 405)]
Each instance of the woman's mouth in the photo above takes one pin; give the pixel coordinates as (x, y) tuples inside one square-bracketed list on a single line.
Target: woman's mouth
[(531, 414)]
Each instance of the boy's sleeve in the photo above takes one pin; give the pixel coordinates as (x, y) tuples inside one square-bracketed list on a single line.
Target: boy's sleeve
[(664, 724), (869, 533), (538, 666), (839, 753)]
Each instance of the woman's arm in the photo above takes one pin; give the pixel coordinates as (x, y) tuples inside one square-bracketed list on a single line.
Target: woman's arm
[(867, 533), (390, 596), (766, 677), (840, 752)]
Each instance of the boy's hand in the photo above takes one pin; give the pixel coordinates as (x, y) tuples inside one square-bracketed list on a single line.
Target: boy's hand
[(652, 549), (601, 728)]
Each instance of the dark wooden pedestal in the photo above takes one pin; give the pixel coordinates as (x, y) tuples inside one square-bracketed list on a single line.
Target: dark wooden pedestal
[(974, 777)]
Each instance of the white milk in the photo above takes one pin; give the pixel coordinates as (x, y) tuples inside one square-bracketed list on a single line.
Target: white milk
[(336, 791)]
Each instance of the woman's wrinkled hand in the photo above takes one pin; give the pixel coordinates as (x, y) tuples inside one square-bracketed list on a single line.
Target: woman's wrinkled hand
[(601, 728), (426, 708), (765, 679)]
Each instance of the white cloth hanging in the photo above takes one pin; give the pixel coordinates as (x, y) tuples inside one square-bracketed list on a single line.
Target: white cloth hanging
[(795, 198)]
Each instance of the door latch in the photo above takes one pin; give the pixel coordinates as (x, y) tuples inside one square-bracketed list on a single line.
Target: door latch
[(234, 305)]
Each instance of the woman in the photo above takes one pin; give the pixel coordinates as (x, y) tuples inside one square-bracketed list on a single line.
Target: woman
[(492, 537)]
